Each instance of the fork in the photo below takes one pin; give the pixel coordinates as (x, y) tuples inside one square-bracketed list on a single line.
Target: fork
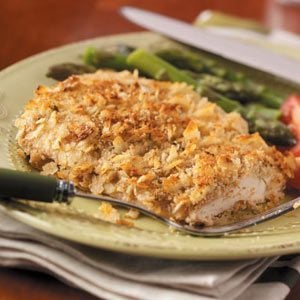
[(33, 186)]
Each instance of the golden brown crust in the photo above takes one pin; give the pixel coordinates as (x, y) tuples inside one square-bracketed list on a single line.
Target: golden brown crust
[(156, 143)]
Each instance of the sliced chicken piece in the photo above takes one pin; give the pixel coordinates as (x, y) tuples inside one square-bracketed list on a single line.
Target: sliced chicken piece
[(249, 189)]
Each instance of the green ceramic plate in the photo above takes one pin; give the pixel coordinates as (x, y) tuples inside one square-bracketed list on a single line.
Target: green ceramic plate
[(79, 222)]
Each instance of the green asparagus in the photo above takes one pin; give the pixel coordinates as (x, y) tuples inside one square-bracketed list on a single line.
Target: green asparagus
[(255, 110), (235, 84), (157, 68), (272, 131), (63, 71), (192, 61), (104, 59), (233, 90)]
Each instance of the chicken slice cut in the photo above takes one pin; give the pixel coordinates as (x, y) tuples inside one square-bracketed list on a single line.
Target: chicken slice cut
[(249, 189)]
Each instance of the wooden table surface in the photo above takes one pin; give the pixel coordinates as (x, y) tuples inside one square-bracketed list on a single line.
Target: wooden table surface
[(32, 26)]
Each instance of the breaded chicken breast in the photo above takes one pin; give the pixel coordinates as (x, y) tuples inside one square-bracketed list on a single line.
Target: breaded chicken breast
[(157, 144)]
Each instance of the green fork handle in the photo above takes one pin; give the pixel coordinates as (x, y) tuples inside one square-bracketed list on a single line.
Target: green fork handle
[(25, 185)]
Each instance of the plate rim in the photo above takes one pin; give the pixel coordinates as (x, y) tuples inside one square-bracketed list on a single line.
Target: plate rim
[(127, 248)]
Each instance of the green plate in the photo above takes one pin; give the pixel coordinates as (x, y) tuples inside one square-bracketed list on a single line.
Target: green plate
[(80, 222)]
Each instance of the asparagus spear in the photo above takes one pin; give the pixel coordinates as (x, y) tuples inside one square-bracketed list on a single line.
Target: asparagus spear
[(272, 131), (265, 121), (157, 68), (196, 63), (105, 59), (253, 110), (233, 90), (63, 71), (225, 103)]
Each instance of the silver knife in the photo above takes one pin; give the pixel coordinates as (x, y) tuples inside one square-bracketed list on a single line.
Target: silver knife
[(234, 50)]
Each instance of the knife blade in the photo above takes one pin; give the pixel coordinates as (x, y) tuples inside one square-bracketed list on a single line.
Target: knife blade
[(234, 50)]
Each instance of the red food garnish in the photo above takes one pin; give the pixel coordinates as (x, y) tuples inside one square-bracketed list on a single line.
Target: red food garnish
[(287, 108), (291, 116), (295, 182), (296, 150)]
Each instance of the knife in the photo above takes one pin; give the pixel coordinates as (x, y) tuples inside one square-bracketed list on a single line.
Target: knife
[(231, 49)]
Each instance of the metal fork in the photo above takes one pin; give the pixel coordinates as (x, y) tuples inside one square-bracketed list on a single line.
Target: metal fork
[(32, 186)]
